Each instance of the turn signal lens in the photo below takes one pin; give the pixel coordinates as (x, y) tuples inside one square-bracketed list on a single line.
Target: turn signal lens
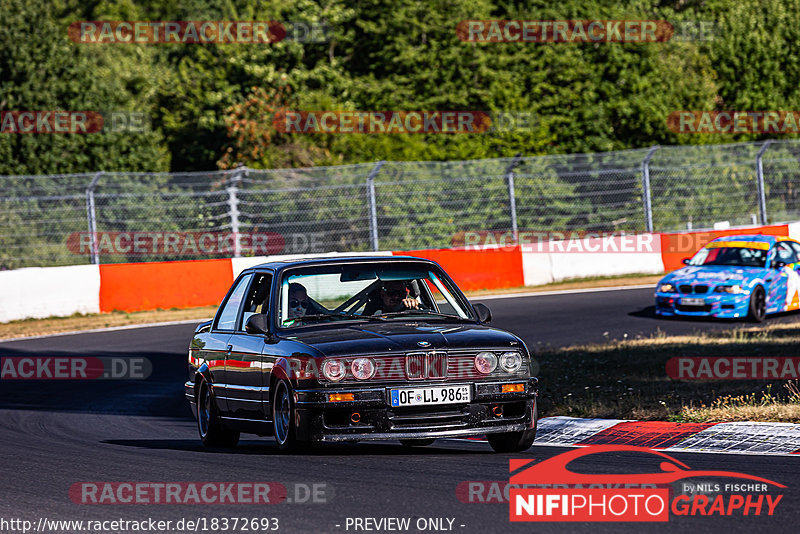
[(485, 362), (363, 368), (512, 388), (340, 397), (334, 370)]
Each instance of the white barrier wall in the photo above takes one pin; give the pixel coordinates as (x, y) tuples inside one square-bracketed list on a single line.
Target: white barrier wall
[(38, 292), (554, 261)]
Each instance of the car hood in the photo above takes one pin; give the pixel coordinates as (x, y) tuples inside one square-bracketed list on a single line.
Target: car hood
[(402, 336), (714, 274)]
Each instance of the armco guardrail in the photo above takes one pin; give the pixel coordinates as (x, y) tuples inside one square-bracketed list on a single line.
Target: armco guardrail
[(123, 217), (60, 291)]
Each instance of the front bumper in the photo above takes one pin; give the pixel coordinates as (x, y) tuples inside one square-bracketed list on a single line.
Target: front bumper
[(719, 305), (371, 417)]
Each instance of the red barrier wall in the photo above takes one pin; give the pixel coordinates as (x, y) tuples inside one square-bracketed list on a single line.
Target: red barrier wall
[(171, 284), (477, 269)]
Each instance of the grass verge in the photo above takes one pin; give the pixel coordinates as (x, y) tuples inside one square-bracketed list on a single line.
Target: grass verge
[(56, 325), (628, 379)]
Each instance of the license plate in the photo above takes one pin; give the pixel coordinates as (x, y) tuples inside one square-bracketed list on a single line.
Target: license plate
[(430, 395), (693, 302)]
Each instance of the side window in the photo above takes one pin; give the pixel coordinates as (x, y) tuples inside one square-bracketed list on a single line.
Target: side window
[(257, 299), (796, 247), (785, 253), (227, 318)]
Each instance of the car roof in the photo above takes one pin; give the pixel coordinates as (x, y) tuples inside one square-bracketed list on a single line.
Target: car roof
[(281, 264), (755, 238)]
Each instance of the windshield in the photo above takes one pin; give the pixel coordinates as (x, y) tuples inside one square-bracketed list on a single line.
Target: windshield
[(724, 255), (367, 292)]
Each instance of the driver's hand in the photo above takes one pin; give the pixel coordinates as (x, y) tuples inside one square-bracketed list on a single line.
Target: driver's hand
[(411, 304)]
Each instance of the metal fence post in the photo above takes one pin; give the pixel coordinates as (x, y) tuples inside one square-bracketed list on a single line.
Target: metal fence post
[(762, 195), (92, 216), (646, 200), (512, 197), (233, 208), (373, 212)]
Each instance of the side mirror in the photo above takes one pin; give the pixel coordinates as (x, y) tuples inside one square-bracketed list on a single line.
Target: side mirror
[(686, 261), (484, 315), (257, 324), (777, 264)]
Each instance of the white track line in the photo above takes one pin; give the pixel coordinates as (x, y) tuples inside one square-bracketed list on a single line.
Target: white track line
[(562, 292), (107, 329)]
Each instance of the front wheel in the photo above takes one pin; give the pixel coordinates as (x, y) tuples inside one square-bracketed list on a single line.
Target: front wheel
[(283, 425), (212, 432), (758, 305), (515, 441), (512, 441)]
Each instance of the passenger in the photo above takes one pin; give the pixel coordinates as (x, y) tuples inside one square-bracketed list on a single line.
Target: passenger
[(298, 301)]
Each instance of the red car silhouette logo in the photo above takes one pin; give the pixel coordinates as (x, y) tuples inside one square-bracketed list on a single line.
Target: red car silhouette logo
[(555, 471)]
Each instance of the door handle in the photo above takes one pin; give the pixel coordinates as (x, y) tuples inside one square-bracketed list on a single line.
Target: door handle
[(768, 280)]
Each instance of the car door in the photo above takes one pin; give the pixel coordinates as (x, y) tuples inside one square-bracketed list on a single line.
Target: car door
[(793, 277), (785, 280), (218, 346), (244, 364)]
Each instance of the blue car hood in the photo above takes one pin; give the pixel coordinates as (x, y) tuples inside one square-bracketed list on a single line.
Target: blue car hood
[(715, 274)]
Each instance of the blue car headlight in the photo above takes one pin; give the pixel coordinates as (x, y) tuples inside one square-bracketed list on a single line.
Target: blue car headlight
[(666, 288), (735, 289)]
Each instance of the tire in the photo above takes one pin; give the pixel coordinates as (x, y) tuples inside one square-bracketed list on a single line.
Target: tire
[(514, 441), (757, 310), (212, 431), (283, 424), (417, 442)]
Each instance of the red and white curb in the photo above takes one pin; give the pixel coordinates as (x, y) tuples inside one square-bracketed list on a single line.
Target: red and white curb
[(729, 438)]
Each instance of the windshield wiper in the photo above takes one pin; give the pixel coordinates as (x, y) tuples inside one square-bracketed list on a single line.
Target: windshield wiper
[(340, 315), (423, 312)]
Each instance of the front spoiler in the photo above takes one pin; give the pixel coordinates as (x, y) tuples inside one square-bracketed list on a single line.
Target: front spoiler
[(464, 432)]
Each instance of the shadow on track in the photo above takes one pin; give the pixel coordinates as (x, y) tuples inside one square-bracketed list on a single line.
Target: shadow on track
[(161, 394), (268, 448)]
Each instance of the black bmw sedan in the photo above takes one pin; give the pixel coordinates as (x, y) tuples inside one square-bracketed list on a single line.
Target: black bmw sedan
[(357, 348)]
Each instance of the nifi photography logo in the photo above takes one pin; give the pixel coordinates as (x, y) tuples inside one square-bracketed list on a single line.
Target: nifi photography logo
[(573, 496)]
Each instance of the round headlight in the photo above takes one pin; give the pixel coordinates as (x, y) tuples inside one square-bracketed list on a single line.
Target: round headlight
[(666, 288), (511, 362), (485, 362), (363, 368), (334, 370)]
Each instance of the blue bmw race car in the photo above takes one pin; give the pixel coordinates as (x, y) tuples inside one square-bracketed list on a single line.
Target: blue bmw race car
[(734, 276)]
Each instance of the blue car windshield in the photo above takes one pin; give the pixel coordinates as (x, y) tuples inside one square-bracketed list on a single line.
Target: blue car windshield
[(733, 256)]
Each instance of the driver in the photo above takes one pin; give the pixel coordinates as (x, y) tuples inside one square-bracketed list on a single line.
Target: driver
[(298, 301), (394, 297)]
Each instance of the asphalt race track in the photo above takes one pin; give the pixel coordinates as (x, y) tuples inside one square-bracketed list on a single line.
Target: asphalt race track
[(57, 433)]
